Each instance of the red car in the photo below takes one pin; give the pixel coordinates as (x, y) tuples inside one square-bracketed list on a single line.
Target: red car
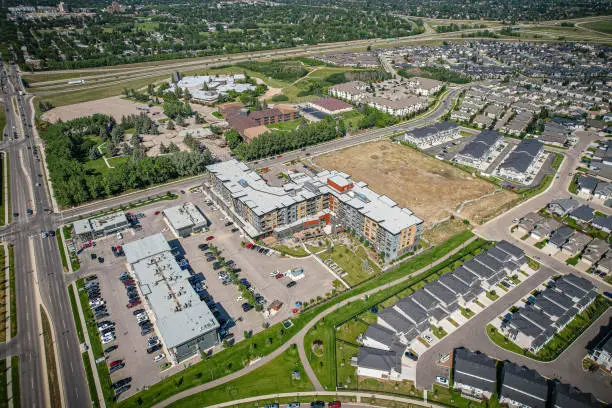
[(210, 238), (296, 311), (334, 404), (128, 282), (133, 303), (249, 245), (116, 363), (156, 213), (279, 275)]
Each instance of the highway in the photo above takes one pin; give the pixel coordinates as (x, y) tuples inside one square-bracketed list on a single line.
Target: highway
[(38, 268)]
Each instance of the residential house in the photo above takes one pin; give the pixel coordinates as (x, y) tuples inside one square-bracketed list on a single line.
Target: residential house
[(480, 149), (603, 191), (603, 223), (554, 134), (434, 135), (379, 337), (413, 312), (576, 243), (381, 364), (474, 374), (605, 263), (483, 121), (602, 352), (559, 237), (563, 206), (586, 186), (566, 396), (522, 387), (521, 162), (594, 251), (527, 223), (583, 214), (545, 228)]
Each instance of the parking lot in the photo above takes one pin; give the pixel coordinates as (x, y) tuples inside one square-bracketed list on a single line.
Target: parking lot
[(254, 266)]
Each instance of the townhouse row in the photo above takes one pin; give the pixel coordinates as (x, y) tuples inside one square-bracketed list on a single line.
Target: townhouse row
[(547, 313), (398, 326), (477, 376)]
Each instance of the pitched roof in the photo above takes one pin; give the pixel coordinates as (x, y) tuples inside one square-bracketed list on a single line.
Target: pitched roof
[(523, 385), (522, 156), (560, 235), (474, 369), (583, 213), (331, 104), (566, 396), (378, 359), (481, 144)]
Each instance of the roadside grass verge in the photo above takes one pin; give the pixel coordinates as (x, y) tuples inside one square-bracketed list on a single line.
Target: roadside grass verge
[(52, 377), (86, 361), (140, 203), (2, 185), (531, 192), (15, 381), (4, 284), (263, 343), (3, 384), (96, 346), (61, 249), (2, 121), (257, 382), (13, 298)]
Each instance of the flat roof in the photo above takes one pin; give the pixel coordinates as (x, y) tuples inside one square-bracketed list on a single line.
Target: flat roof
[(144, 248), (184, 215), (180, 314)]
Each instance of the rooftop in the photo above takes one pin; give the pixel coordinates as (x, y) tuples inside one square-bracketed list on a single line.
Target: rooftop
[(184, 215)]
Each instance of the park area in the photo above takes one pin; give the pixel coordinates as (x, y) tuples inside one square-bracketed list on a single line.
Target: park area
[(432, 189)]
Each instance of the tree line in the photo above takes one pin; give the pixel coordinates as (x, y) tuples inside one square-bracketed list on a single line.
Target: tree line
[(67, 146)]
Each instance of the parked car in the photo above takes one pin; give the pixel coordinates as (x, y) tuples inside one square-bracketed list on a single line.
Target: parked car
[(154, 348), (334, 404), (116, 368), (111, 349), (120, 383), (106, 340), (210, 238), (246, 307), (442, 380), (138, 311), (121, 390), (291, 284), (159, 357), (203, 247), (317, 404), (116, 363), (133, 303)]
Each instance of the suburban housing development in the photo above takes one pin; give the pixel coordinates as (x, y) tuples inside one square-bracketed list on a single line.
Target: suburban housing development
[(329, 198), (433, 135)]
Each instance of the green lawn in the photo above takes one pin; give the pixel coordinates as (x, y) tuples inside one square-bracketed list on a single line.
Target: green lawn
[(352, 119), (3, 299), (285, 126), (116, 161), (506, 343), (452, 398), (601, 26), (541, 244), (2, 120), (492, 295), (2, 197), (298, 252), (353, 263), (91, 384), (439, 332), (573, 260), (61, 250), (467, 313), (271, 378), (75, 314)]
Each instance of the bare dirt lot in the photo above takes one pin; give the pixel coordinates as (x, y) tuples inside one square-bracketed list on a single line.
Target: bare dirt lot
[(114, 106), (429, 187)]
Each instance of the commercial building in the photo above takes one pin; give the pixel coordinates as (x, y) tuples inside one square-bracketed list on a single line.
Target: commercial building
[(435, 135), (477, 152), (206, 89), (93, 228), (185, 323), (185, 219), (330, 197), (521, 162), (474, 374), (241, 119)]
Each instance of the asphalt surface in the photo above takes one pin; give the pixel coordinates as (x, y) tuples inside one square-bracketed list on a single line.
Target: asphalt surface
[(39, 274)]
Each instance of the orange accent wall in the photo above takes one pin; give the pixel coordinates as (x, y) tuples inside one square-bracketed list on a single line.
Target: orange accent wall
[(339, 188)]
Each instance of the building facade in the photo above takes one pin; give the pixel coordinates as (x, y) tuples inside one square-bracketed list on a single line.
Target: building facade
[(330, 197)]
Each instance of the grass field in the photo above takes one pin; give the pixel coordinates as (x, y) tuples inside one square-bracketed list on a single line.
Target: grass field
[(352, 261), (3, 384), (15, 379), (13, 299), (2, 120), (430, 188), (444, 230), (271, 378), (54, 386), (284, 126), (601, 26)]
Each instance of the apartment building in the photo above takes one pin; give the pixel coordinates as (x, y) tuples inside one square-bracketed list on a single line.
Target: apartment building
[(329, 198), (353, 91), (435, 135), (477, 152), (522, 161)]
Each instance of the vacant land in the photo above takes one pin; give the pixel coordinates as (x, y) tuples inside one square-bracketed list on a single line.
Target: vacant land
[(601, 26), (429, 187), (114, 106), (441, 232)]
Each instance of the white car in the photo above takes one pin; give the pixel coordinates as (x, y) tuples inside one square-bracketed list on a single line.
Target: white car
[(119, 235), (96, 302), (142, 317), (445, 358), (428, 338), (104, 327), (442, 380), (159, 357), (107, 339)]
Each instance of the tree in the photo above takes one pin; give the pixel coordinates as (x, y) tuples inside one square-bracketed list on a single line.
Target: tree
[(135, 140), (93, 153), (233, 138)]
